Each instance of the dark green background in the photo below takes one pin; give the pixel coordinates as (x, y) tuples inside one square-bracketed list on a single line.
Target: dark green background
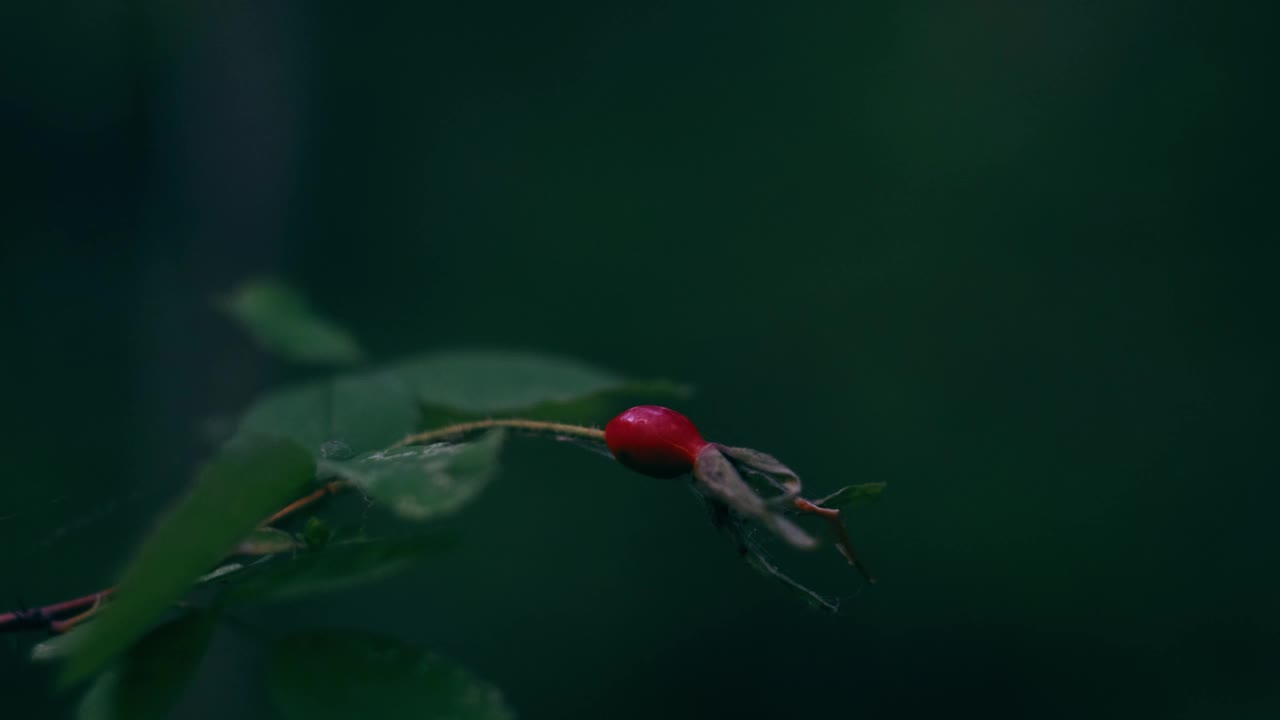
[(1015, 259)]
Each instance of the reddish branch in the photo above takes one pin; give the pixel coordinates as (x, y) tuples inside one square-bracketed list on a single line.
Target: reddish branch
[(63, 616)]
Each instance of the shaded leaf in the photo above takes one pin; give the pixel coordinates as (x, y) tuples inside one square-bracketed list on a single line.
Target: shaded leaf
[(148, 680), (487, 382), (316, 533), (323, 675), (852, 496), (231, 496), (281, 322), (362, 412), (420, 482), (336, 566)]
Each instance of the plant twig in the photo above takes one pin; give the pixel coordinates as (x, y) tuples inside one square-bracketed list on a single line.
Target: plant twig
[(537, 427), (54, 617), (332, 487), (843, 543)]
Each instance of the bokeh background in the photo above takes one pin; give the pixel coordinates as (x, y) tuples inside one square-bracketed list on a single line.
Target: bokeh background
[(1015, 259)]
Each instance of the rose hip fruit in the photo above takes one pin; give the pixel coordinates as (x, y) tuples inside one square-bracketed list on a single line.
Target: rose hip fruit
[(654, 440)]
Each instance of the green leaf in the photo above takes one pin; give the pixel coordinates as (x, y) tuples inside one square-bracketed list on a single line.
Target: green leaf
[(852, 496), (323, 675), (267, 541), (471, 381), (148, 680), (231, 496), (366, 411), (281, 322), (422, 482), (336, 566)]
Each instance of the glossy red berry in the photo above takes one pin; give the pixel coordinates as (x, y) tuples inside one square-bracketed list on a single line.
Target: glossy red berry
[(655, 441)]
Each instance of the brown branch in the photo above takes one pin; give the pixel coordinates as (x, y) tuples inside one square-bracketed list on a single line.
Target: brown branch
[(54, 617), (332, 487), (537, 427), (843, 543)]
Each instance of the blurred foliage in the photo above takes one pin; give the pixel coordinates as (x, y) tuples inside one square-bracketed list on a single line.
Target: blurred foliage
[(232, 495), (146, 682), (281, 321), (321, 675)]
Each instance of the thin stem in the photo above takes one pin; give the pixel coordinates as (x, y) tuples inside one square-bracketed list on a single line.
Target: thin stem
[(84, 608), (49, 616), (843, 543), (330, 488), (537, 427), (62, 626)]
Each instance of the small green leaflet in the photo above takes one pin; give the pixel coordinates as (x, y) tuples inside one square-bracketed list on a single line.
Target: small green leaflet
[(281, 322), (423, 482), (331, 675)]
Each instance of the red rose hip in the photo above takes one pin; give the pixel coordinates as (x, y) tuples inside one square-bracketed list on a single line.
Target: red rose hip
[(654, 440)]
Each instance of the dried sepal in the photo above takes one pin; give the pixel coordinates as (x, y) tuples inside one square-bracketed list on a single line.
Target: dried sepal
[(828, 508), (765, 466), (717, 477)]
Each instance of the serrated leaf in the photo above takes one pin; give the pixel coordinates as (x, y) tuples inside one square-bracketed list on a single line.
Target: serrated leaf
[(148, 680), (282, 322), (232, 494), (487, 382), (365, 411), (422, 482), (324, 675), (336, 566), (852, 496)]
